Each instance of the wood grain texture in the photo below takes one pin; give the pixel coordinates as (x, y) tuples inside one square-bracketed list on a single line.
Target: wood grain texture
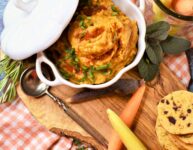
[(94, 112)]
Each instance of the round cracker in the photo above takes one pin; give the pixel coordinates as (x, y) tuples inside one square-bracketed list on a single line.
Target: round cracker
[(163, 137), (175, 112), (188, 139), (181, 145)]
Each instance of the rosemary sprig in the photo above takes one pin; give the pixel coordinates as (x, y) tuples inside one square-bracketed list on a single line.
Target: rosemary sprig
[(12, 70)]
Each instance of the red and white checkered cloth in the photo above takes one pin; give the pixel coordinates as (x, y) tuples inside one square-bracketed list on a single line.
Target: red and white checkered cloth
[(178, 65), (19, 130)]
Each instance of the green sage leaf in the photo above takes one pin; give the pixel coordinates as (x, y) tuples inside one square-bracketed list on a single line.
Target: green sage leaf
[(151, 54), (175, 45), (147, 70), (158, 31), (158, 51)]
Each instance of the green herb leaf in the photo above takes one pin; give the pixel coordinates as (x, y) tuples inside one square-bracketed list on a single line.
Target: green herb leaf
[(147, 70), (151, 54), (115, 10), (107, 72), (91, 73), (83, 78), (175, 45), (70, 51), (88, 18), (115, 13), (3, 84), (84, 68), (82, 35), (81, 148), (161, 25), (158, 51), (102, 67), (70, 54), (65, 74), (82, 24), (77, 142), (12, 70), (159, 42), (158, 30)]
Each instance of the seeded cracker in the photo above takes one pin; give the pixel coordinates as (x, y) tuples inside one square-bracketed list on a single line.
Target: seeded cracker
[(181, 145), (175, 112), (163, 137), (169, 141), (188, 139)]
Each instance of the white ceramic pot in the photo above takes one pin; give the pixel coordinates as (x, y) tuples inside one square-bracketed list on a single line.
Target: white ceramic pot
[(133, 12), (31, 26)]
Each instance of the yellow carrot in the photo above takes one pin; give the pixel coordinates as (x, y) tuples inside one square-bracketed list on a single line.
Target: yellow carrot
[(127, 136), (127, 115)]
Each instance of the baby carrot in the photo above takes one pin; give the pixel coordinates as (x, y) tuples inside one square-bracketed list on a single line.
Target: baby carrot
[(127, 136), (127, 115)]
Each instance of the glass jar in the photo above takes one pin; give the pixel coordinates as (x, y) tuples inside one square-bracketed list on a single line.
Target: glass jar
[(164, 10)]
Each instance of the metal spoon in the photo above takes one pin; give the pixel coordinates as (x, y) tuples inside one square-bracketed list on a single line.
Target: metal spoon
[(32, 86)]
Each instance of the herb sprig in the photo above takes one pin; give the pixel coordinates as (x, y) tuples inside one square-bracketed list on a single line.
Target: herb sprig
[(158, 43), (12, 70)]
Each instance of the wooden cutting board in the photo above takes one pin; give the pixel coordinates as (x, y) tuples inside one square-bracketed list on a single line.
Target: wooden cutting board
[(94, 112)]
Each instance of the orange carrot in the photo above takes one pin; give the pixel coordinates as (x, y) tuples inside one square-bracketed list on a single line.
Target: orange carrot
[(127, 115)]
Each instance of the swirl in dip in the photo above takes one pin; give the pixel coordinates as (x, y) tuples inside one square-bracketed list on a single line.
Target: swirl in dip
[(103, 41)]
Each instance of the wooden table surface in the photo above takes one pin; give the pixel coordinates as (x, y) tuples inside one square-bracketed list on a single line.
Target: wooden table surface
[(94, 112)]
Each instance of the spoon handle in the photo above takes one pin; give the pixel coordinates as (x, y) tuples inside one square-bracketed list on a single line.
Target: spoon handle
[(78, 119)]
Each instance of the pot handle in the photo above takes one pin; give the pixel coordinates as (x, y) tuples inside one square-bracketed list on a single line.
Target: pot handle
[(42, 59)]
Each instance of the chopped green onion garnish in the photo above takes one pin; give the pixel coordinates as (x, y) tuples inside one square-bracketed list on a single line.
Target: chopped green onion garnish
[(76, 59), (91, 73), (89, 18), (84, 68), (115, 10), (82, 35), (65, 74), (70, 51), (115, 13), (102, 67), (82, 24)]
